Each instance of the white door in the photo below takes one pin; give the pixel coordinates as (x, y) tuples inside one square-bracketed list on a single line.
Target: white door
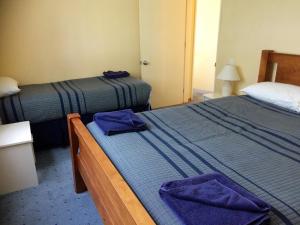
[(162, 41)]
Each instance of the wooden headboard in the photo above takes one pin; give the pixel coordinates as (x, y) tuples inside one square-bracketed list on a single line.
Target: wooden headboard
[(279, 67)]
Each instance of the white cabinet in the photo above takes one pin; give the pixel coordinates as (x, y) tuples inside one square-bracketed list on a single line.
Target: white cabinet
[(17, 161)]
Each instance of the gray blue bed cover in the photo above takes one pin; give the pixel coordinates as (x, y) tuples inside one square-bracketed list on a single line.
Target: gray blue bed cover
[(44, 102), (254, 143)]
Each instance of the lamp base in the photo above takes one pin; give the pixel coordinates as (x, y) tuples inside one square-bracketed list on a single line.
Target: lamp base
[(227, 88)]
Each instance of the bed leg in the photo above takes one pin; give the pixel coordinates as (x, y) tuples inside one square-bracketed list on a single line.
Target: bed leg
[(79, 184)]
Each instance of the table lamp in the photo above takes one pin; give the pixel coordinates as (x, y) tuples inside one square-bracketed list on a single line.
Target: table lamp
[(228, 74)]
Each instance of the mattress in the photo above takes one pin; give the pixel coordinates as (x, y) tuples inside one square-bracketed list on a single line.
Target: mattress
[(254, 143), (44, 102)]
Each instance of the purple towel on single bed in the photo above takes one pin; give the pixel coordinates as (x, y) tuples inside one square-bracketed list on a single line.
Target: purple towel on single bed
[(117, 122), (115, 74), (213, 199)]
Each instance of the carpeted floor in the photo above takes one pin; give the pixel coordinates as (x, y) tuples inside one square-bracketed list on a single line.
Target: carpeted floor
[(54, 201)]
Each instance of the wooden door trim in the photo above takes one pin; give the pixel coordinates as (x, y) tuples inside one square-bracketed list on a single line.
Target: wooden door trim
[(189, 50)]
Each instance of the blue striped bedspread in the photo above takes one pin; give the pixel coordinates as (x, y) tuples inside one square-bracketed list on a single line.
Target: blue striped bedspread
[(255, 144), (43, 102)]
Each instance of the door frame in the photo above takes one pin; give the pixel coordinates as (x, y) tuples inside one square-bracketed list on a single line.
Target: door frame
[(189, 50)]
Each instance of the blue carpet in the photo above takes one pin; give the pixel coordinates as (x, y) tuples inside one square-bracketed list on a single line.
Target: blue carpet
[(54, 201)]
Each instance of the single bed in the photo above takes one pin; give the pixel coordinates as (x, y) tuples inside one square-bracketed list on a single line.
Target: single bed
[(254, 143), (47, 105)]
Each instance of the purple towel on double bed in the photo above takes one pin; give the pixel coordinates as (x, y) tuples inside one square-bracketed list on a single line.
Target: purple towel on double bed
[(115, 74), (117, 122), (213, 199)]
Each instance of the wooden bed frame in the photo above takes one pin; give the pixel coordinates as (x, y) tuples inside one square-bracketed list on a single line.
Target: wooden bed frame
[(279, 67), (93, 170)]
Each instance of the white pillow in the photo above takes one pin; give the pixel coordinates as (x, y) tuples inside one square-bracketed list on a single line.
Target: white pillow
[(8, 86), (283, 95)]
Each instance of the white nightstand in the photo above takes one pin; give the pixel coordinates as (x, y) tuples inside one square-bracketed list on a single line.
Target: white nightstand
[(211, 96), (17, 161)]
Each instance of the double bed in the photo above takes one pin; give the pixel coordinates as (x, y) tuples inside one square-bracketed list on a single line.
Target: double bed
[(47, 105), (254, 143)]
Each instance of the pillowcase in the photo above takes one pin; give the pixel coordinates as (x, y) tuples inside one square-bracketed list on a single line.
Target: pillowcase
[(8, 86), (284, 95)]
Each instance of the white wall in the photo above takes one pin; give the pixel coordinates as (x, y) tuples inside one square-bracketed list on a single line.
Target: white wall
[(247, 27), (206, 40), (50, 40)]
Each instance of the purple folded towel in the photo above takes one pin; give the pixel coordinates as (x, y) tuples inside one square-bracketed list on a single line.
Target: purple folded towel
[(117, 122), (213, 199), (115, 74)]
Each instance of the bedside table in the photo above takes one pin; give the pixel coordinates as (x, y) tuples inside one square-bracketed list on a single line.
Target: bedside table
[(210, 96), (17, 161)]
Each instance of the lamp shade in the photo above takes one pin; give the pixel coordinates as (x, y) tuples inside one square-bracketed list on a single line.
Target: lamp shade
[(229, 73)]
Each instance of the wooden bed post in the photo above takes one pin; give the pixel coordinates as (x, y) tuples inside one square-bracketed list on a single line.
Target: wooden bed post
[(93, 170), (264, 74), (79, 184)]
